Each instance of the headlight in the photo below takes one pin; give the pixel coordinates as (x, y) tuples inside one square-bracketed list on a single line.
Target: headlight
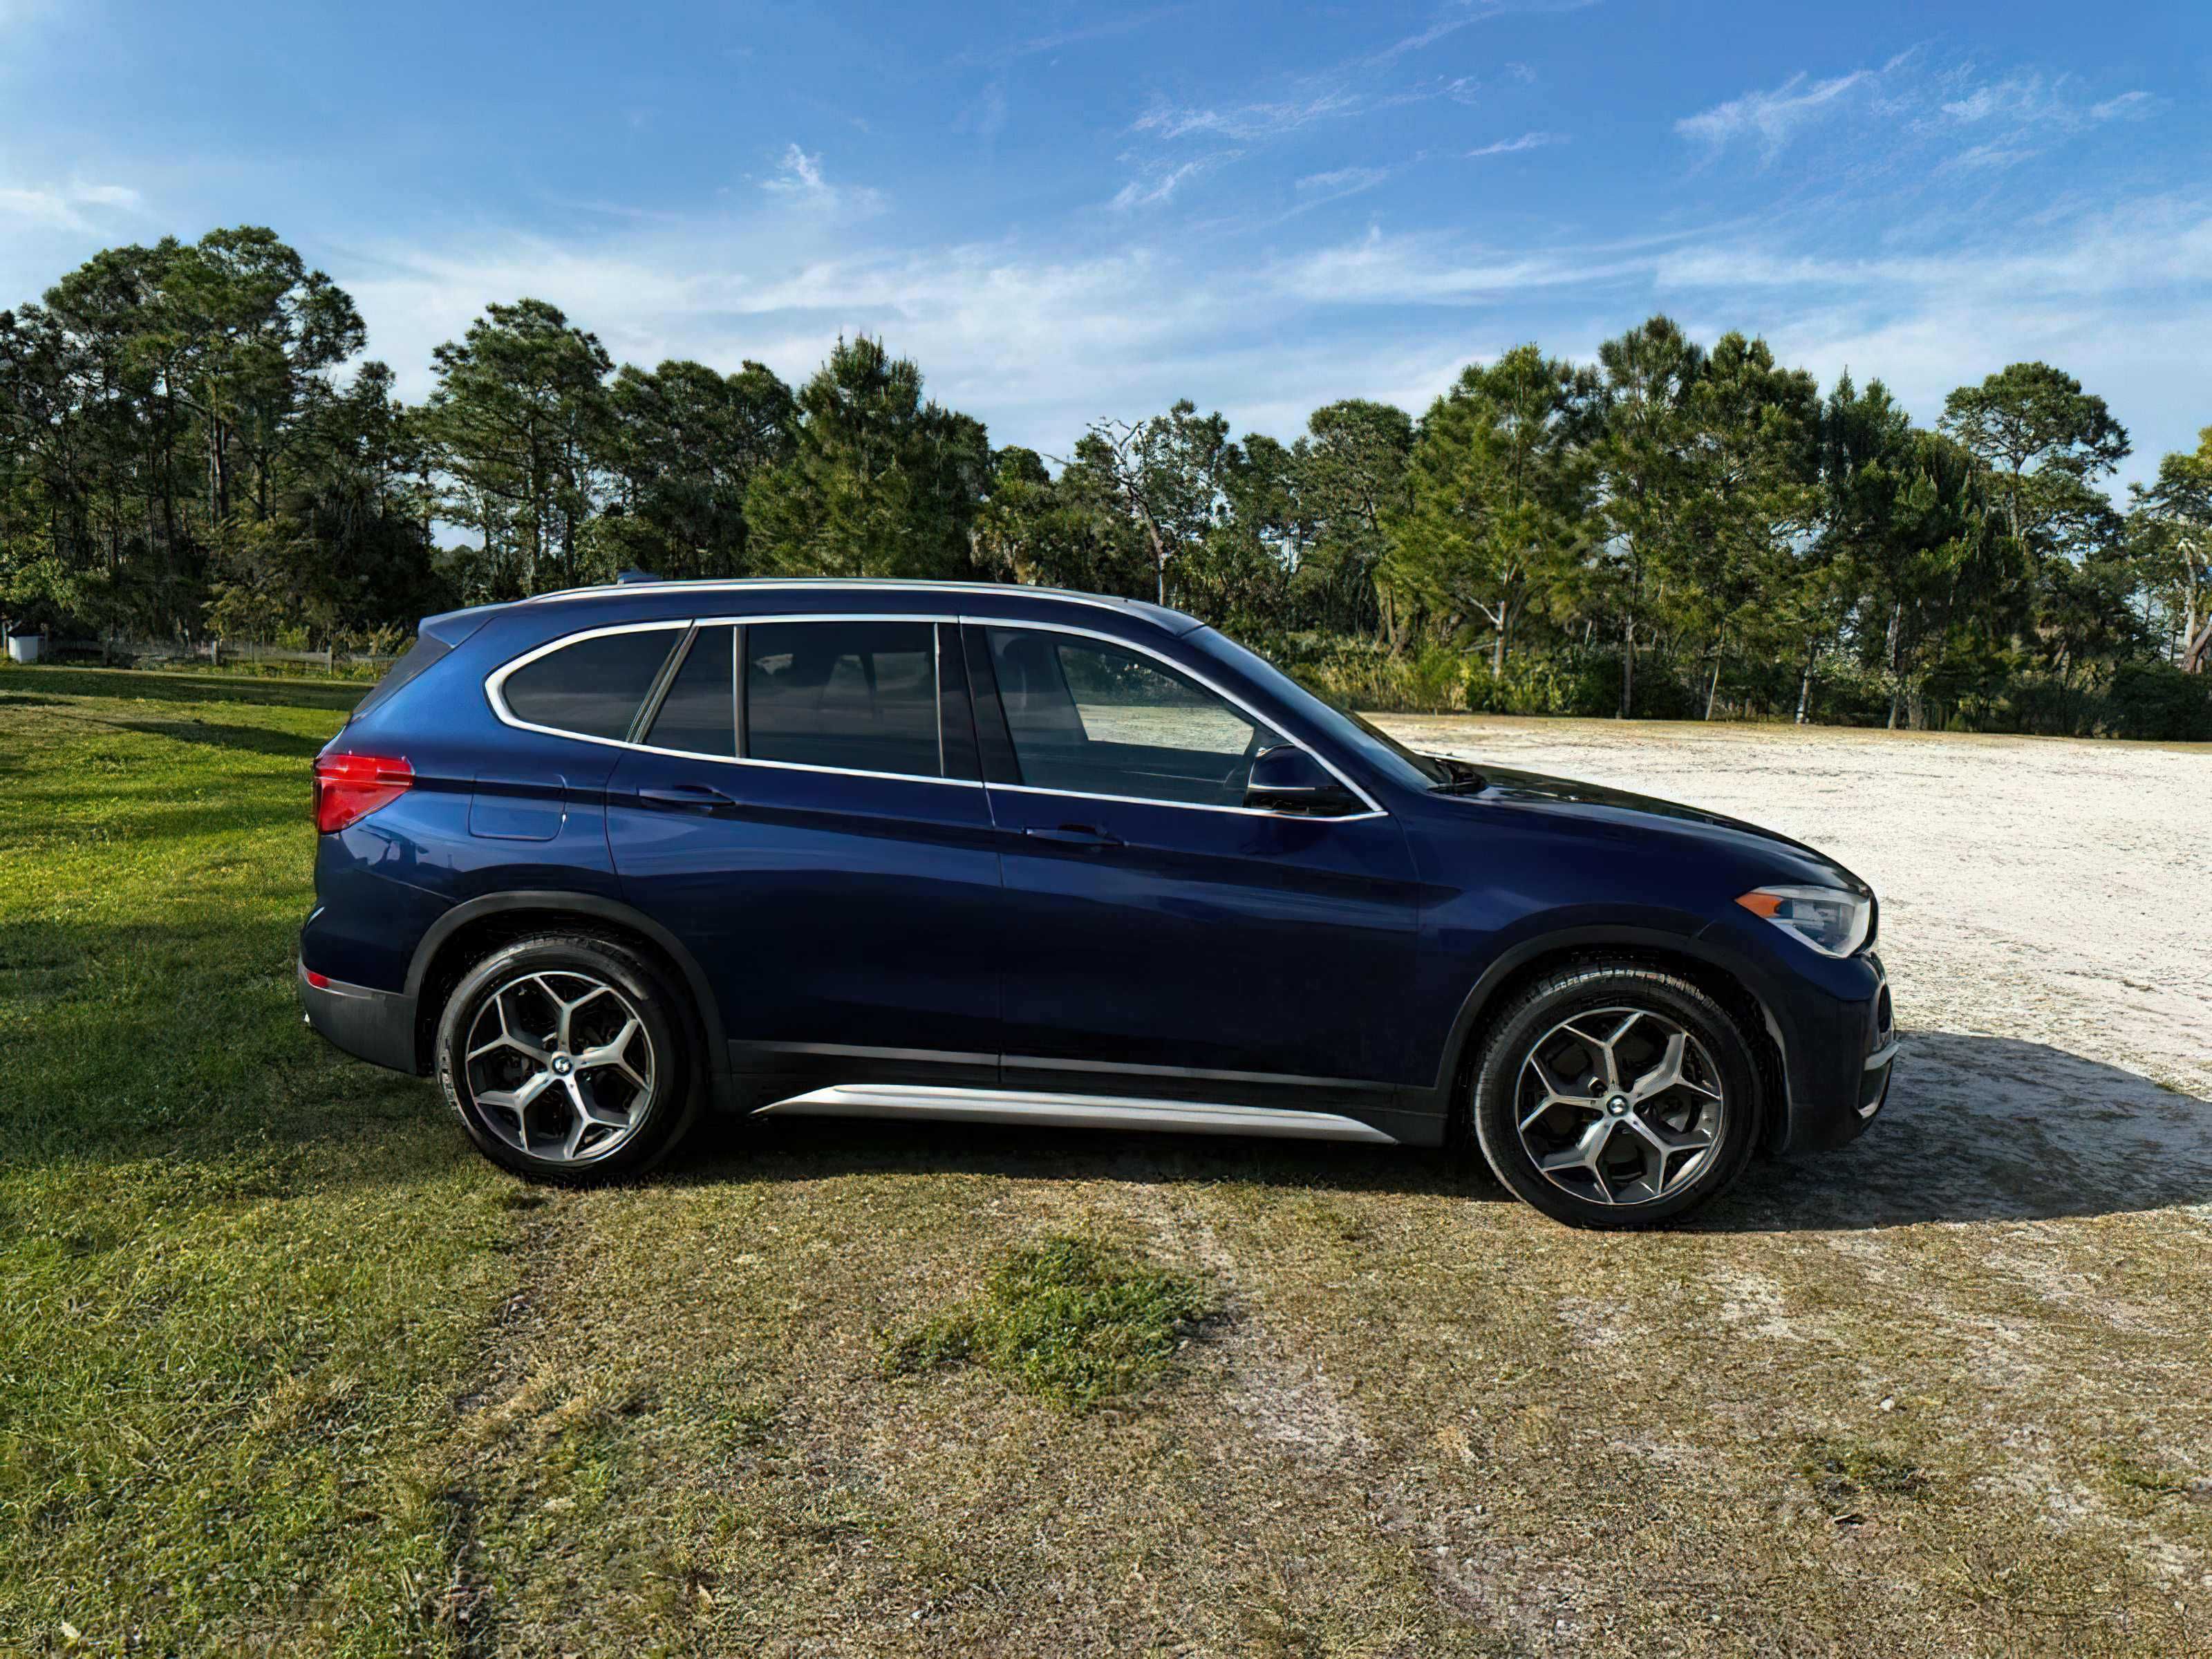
[(1828, 918)]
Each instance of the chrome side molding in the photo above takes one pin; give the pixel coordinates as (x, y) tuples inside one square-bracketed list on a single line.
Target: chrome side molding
[(1070, 1111)]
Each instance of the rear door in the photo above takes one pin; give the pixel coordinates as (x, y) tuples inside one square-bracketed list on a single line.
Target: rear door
[(1162, 937), (802, 810)]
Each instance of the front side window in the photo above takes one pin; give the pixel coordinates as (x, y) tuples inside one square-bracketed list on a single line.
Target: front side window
[(593, 688), (858, 696), (1094, 718)]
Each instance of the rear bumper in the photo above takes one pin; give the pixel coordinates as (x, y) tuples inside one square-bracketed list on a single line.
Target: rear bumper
[(378, 1026)]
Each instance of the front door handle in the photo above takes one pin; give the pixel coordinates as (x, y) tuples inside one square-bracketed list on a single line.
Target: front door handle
[(684, 797), (1076, 834)]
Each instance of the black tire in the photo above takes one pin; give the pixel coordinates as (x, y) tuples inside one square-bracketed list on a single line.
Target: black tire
[(564, 965), (1528, 1042)]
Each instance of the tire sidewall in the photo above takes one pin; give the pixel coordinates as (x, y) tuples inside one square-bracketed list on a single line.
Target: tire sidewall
[(1582, 991), (673, 1104)]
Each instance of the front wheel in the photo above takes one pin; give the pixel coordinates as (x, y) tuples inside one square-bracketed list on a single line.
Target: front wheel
[(568, 1059), (1616, 1096)]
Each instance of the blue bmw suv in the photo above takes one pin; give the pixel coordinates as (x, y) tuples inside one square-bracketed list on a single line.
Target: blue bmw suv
[(604, 859)]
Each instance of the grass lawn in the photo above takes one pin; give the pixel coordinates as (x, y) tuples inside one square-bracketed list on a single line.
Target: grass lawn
[(284, 1368)]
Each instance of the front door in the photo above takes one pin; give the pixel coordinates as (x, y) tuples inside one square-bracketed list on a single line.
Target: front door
[(804, 816), (1160, 937)]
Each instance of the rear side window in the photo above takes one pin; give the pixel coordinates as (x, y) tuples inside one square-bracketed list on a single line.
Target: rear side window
[(699, 712), (860, 697), (593, 688), (423, 653)]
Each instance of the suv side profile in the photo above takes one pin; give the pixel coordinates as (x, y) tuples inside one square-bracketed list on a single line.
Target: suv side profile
[(602, 858)]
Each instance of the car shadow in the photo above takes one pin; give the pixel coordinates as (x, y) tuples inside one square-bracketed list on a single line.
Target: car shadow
[(218, 734), (155, 686), (1976, 1129)]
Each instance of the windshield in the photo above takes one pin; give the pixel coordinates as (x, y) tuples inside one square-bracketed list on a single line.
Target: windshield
[(1375, 745)]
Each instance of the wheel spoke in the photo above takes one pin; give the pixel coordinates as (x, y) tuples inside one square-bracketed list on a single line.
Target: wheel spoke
[(1672, 1115), (586, 1125)]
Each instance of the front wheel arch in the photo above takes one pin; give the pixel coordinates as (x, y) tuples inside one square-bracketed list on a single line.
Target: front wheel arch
[(1513, 972)]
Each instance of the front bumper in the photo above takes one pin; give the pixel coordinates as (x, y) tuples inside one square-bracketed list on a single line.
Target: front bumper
[(1839, 1068), (378, 1026)]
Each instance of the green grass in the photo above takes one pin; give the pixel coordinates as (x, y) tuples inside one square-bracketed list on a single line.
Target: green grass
[(1069, 1319), (238, 1275)]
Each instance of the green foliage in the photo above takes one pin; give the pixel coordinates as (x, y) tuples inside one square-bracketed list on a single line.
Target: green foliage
[(1069, 1319), (1672, 532), (1500, 483), (878, 483)]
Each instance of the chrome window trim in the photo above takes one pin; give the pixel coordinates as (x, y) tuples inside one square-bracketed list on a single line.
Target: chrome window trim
[(494, 683), (1374, 807)]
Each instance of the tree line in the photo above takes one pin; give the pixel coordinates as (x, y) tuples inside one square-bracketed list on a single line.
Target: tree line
[(192, 445)]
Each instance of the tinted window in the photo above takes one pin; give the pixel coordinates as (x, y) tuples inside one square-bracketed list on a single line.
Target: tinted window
[(699, 714), (423, 653), (593, 687), (860, 695), (1096, 720)]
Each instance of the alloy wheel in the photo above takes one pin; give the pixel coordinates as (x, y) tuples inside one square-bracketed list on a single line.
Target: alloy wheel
[(1619, 1106), (561, 1066)]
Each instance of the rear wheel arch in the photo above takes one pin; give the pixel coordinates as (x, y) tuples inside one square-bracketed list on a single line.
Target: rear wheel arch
[(1502, 984), (469, 932)]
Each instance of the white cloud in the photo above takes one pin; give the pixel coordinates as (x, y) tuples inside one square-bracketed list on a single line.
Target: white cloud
[(1342, 181), (61, 207), (1511, 146), (1246, 122), (2128, 105), (798, 178), (1773, 118), (1156, 186)]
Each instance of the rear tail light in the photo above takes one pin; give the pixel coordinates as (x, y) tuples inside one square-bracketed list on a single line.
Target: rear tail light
[(349, 787)]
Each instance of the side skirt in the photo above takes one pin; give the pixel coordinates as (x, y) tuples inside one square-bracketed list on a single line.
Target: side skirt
[(1070, 1111)]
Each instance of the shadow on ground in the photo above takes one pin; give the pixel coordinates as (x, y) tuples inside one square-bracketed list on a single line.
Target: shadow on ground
[(154, 686), (1978, 1128)]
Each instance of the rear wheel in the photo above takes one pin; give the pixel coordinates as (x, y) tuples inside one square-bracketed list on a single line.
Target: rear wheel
[(568, 1058), (1616, 1096)]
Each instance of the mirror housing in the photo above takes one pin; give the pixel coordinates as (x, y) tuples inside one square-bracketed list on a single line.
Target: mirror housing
[(1287, 779)]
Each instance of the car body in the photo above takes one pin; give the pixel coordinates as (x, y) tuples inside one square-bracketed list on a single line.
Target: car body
[(999, 853)]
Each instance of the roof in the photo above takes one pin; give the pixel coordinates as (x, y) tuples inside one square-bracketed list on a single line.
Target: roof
[(1174, 620)]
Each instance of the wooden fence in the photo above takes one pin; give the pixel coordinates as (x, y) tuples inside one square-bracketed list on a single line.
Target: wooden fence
[(215, 652)]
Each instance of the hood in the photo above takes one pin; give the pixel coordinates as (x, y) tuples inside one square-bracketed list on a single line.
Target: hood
[(1602, 806)]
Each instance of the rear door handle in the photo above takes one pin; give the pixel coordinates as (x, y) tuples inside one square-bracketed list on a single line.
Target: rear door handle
[(684, 797), (1076, 834)]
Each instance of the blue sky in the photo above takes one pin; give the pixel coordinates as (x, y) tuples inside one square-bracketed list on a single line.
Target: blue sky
[(1065, 212)]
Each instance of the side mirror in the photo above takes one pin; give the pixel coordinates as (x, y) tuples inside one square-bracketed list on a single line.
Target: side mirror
[(1287, 779)]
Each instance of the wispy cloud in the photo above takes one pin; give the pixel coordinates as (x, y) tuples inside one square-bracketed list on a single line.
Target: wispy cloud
[(64, 206), (1159, 184), (798, 178), (1341, 181), (1041, 46), (1512, 146), (1772, 118), (1246, 122)]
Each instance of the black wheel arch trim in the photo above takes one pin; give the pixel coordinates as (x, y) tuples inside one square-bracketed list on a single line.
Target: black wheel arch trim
[(1507, 963), (592, 907)]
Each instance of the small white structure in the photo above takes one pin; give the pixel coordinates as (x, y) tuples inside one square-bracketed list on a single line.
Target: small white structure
[(25, 647)]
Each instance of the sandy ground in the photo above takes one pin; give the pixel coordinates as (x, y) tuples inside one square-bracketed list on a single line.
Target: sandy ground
[(2032, 888)]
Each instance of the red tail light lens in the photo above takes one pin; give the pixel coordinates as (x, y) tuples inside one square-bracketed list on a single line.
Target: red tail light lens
[(349, 787)]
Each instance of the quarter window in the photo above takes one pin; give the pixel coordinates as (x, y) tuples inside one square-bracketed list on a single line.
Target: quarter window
[(860, 697), (1093, 719), (593, 688), (699, 712)]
